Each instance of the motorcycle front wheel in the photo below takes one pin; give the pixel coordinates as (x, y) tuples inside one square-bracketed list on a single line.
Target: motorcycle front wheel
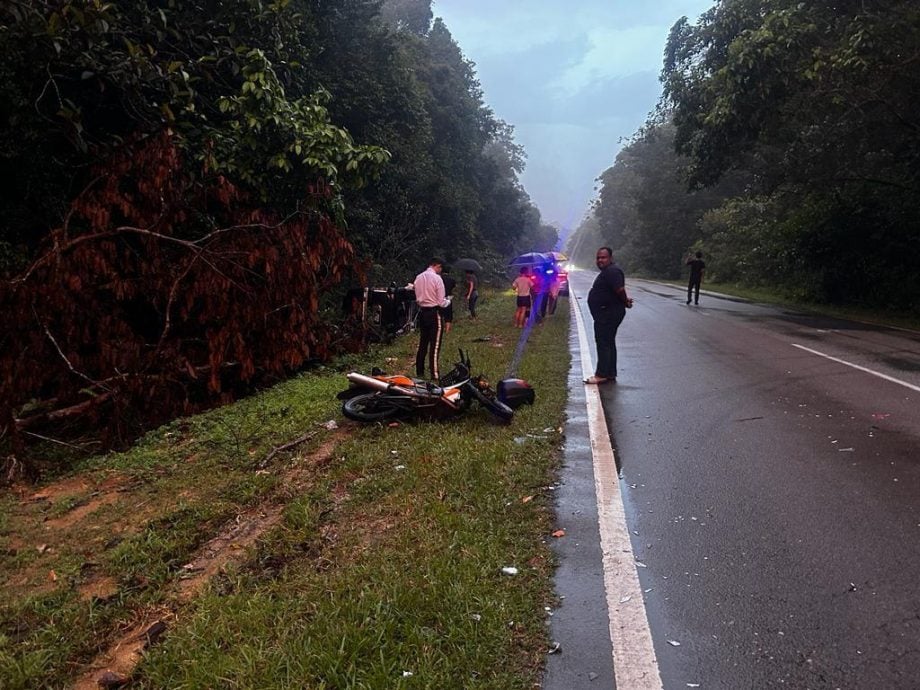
[(496, 407), (372, 407)]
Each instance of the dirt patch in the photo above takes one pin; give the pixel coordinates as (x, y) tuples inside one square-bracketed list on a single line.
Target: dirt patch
[(102, 587), (226, 547), (372, 530), (229, 546), (73, 486), (123, 656), (74, 516), (34, 582)]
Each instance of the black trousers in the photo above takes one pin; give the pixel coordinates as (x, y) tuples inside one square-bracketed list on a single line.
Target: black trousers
[(694, 285), (606, 324), (430, 326)]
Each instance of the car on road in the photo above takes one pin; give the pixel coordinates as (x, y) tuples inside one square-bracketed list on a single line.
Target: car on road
[(563, 277)]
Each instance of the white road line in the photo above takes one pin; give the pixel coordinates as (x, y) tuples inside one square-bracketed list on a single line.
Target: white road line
[(635, 665), (856, 366)]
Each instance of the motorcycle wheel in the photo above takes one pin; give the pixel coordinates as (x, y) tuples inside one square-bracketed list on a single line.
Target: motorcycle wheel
[(496, 407), (371, 407)]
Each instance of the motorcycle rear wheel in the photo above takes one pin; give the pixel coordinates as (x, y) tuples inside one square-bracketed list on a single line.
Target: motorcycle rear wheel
[(371, 407), (496, 407)]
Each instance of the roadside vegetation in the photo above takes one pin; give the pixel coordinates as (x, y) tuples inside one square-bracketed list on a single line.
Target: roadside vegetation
[(260, 545), (899, 319), (784, 148), (193, 188)]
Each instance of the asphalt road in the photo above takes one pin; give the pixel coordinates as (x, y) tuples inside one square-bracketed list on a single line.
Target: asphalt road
[(772, 494)]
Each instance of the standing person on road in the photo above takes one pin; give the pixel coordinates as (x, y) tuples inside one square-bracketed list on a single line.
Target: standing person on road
[(522, 287), (608, 303), (697, 266), (429, 294), (472, 292)]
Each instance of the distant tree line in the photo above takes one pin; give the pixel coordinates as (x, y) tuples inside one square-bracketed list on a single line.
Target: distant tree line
[(786, 147), (188, 185)]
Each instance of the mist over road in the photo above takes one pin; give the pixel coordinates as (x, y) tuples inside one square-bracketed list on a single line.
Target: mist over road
[(770, 469)]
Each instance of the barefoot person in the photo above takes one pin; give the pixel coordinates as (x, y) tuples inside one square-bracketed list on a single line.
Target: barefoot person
[(608, 303), (522, 287)]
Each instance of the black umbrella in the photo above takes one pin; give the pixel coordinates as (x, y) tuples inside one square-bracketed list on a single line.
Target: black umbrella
[(528, 259), (467, 265)]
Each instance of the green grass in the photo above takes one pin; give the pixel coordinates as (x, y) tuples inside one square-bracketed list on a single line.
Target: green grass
[(387, 558), (880, 316)]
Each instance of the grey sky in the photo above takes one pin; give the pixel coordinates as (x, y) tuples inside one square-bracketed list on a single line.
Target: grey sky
[(574, 78)]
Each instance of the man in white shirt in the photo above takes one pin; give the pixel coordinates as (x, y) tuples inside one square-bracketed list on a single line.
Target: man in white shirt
[(429, 294)]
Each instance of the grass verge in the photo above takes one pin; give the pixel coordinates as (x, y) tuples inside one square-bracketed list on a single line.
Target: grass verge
[(366, 556), (882, 317)]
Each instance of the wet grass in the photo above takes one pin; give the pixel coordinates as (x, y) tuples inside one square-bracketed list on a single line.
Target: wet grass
[(881, 316), (386, 560)]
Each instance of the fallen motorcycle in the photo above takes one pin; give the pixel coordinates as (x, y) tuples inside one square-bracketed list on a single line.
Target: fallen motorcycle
[(381, 397)]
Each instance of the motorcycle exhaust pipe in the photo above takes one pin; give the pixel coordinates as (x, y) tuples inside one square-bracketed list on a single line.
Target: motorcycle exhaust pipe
[(378, 385), (368, 381)]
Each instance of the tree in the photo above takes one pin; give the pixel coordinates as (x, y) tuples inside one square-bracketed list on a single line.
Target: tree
[(407, 15), (820, 102), (644, 209), (194, 208)]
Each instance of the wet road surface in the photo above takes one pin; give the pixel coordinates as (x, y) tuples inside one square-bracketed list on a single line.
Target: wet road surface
[(770, 470)]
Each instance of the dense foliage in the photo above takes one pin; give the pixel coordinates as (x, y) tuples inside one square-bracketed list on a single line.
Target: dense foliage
[(185, 191), (798, 123)]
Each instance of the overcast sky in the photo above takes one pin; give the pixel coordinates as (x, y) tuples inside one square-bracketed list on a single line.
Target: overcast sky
[(573, 77)]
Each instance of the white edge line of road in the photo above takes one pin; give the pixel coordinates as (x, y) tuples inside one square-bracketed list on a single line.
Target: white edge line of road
[(856, 366), (635, 665)]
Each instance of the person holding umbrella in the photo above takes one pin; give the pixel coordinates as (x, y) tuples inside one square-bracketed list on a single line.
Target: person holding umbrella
[(471, 268), (472, 293), (447, 313)]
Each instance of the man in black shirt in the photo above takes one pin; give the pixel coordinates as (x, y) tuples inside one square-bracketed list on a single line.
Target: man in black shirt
[(696, 277), (608, 303)]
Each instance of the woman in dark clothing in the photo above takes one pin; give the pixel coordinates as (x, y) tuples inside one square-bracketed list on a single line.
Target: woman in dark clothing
[(472, 294)]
